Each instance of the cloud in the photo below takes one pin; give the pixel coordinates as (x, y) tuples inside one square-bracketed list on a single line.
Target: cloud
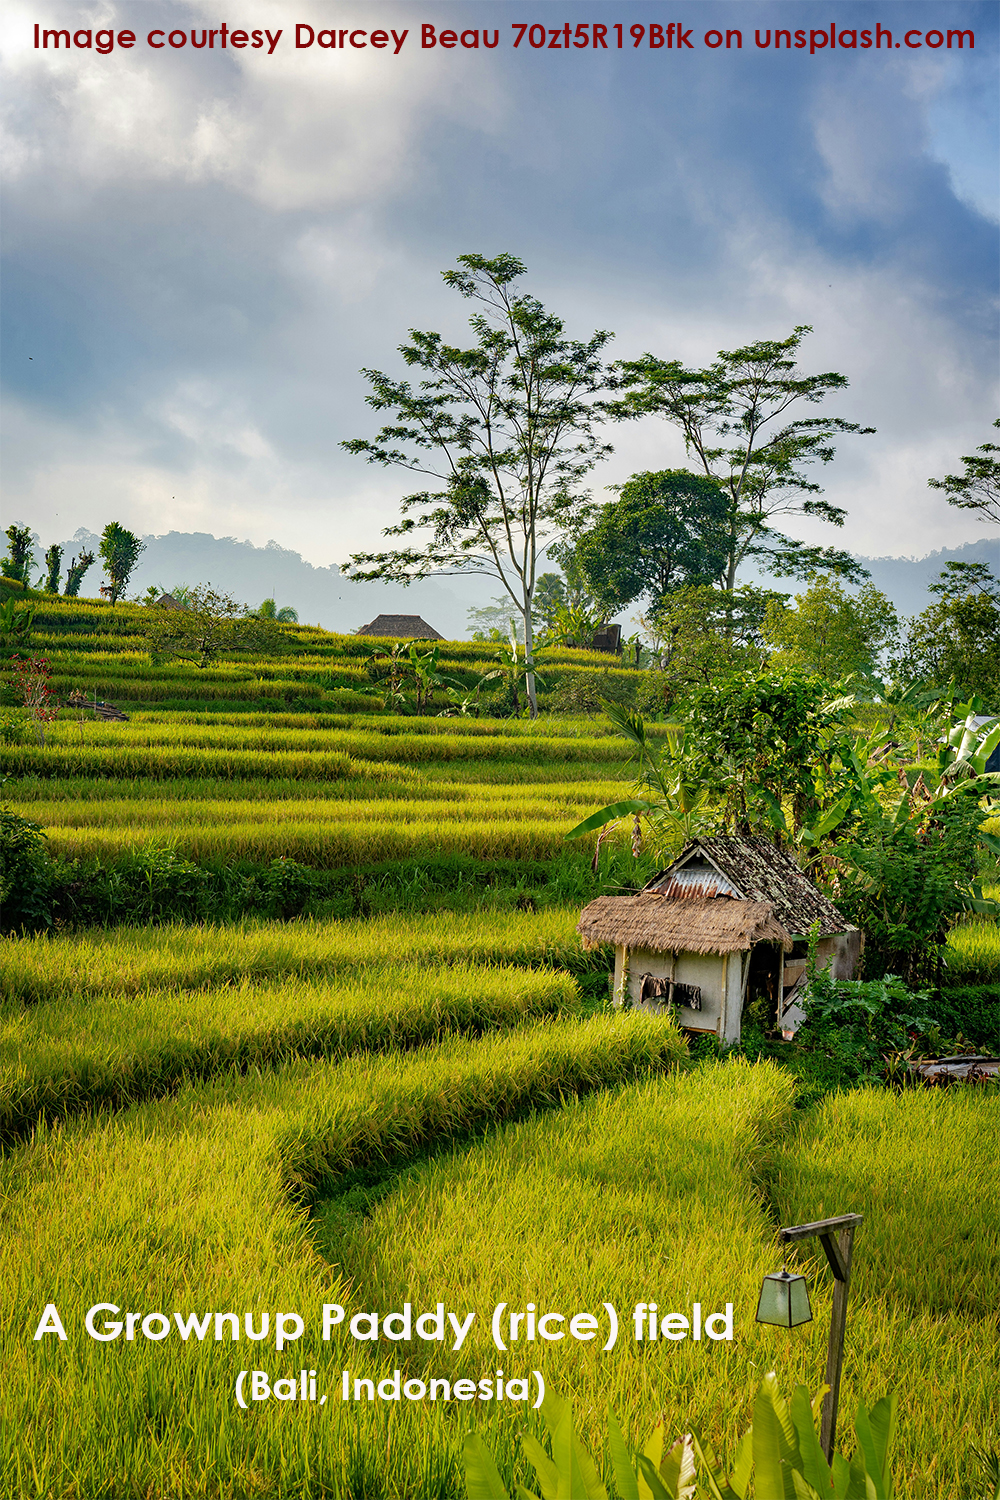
[(203, 251)]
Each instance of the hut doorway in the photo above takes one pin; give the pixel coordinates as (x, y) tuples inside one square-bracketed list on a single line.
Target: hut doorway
[(763, 985)]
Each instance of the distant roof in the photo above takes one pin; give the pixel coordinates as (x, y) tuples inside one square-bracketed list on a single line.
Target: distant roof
[(406, 627), (167, 601), (752, 869), (694, 925)]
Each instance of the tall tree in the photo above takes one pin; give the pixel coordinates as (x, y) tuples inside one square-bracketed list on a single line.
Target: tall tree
[(830, 631), (664, 530), (957, 639), (53, 561), (978, 488), (119, 552), (506, 427), (20, 554), (732, 416), (74, 573)]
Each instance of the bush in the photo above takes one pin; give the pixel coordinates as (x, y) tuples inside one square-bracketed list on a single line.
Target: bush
[(587, 692), (904, 884), (25, 878), (971, 1011)]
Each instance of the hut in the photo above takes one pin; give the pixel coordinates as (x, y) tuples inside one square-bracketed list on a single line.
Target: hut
[(726, 925), (401, 627)]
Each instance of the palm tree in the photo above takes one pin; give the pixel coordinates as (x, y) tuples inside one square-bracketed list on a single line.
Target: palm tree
[(284, 616)]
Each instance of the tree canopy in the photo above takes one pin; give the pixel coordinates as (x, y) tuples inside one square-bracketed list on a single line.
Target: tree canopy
[(119, 552), (831, 631), (664, 530), (978, 486), (506, 429), (957, 638), (732, 418)]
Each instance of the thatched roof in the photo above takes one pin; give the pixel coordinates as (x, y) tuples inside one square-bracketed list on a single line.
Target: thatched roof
[(755, 869), (691, 925), (404, 627)]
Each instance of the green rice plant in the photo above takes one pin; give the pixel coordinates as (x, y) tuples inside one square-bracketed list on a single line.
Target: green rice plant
[(922, 1312), (973, 947), (330, 845), (189, 1206), (126, 961), (75, 1054)]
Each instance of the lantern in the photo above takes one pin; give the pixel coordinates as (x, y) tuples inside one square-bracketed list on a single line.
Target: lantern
[(784, 1300)]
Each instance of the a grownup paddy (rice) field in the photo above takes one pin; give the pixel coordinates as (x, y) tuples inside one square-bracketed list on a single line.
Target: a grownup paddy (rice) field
[(219, 1130)]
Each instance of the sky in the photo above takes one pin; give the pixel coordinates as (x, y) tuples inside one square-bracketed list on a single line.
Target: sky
[(203, 248)]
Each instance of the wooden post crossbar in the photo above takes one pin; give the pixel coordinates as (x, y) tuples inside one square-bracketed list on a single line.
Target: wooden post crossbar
[(837, 1238)]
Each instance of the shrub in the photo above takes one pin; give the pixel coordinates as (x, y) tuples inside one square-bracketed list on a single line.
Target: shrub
[(25, 878)]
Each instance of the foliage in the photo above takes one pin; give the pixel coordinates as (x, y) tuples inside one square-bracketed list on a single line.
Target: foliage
[(589, 692), (74, 573), (20, 554), (664, 530), (16, 623), (284, 616), (31, 679), (506, 426), (119, 552), (956, 641), (761, 741), (781, 1451), (211, 625), (404, 665), (675, 800), (904, 877), (700, 634), (726, 415), (978, 486), (860, 1023), (14, 726), (831, 632), (53, 562), (24, 872)]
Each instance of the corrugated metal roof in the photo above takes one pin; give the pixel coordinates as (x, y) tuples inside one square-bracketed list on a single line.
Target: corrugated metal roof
[(702, 880), (757, 870)]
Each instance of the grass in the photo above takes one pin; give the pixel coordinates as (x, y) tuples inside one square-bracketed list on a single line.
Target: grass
[(67, 1056), (974, 948), (924, 1171), (190, 1205), (128, 960)]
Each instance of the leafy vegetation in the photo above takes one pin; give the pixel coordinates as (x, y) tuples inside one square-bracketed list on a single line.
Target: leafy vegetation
[(389, 1082)]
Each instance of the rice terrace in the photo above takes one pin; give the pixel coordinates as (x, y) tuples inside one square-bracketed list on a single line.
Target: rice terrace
[(298, 1028)]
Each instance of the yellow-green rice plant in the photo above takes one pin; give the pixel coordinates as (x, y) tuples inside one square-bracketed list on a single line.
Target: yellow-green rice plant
[(329, 845), (71, 1054), (924, 1171), (126, 961), (974, 947), (183, 1207)]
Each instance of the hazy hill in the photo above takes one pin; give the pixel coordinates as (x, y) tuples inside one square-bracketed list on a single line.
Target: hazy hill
[(323, 597)]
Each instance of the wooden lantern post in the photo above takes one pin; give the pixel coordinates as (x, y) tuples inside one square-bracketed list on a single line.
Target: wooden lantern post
[(837, 1238)]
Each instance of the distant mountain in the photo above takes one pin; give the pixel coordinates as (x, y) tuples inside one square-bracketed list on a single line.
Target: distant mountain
[(323, 597), (905, 579), (251, 574)]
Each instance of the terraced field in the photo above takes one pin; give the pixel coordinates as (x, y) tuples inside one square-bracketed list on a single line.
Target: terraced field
[(425, 1106)]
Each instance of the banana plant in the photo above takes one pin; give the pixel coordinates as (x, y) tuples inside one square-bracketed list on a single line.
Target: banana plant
[(781, 1451), (676, 799), (967, 750)]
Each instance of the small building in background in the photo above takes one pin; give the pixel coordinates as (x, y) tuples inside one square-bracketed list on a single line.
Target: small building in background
[(725, 926), (608, 638), (401, 627)]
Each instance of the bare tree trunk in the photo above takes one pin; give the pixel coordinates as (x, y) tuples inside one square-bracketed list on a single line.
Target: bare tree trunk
[(529, 672)]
